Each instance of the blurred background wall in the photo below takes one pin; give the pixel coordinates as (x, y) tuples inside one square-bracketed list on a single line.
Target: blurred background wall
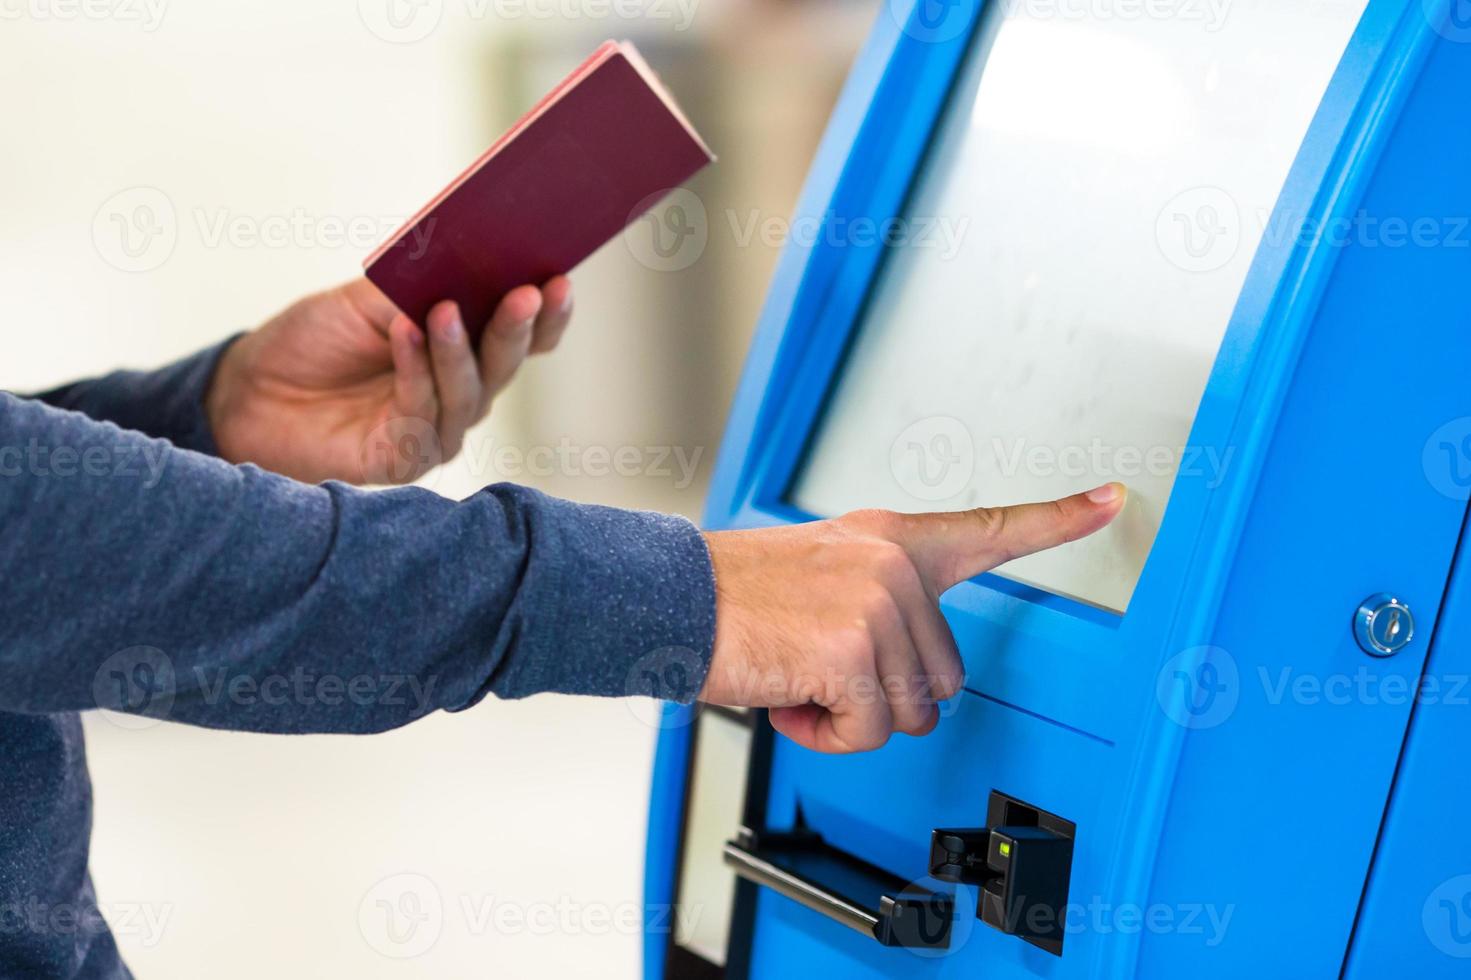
[(174, 172)]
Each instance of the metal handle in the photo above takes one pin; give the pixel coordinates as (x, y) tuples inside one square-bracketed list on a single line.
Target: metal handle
[(844, 888)]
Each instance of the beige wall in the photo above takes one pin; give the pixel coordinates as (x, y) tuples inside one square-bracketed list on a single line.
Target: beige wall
[(233, 856)]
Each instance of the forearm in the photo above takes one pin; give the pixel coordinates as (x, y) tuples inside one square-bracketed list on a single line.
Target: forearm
[(241, 599)]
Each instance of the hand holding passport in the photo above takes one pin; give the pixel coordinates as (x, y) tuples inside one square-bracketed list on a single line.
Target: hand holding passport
[(598, 150)]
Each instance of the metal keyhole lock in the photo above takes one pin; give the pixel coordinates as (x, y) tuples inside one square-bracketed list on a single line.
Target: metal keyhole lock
[(1383, 625)]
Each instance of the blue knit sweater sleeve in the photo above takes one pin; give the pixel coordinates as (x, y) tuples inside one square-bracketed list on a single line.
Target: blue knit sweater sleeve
[(144, 576)]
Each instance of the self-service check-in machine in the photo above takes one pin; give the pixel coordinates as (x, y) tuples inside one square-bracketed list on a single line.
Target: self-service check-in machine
[(1219, 252)]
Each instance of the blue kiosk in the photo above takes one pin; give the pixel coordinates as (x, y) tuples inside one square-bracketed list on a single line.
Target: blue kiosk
[(1219, 251)]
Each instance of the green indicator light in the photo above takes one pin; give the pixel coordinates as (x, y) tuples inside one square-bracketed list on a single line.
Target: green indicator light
[(1005, 849)]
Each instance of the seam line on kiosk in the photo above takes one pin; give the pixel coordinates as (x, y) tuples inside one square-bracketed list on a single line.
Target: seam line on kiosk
[(1040, 717)]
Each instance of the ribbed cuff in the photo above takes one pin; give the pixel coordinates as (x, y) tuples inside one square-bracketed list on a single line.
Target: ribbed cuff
[(185, 385), (167, 403)]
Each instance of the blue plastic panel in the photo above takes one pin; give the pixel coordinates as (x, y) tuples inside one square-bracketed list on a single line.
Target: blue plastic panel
[(1416, 915)]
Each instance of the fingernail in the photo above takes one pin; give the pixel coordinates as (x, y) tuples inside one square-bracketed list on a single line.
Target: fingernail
[(566, 303), (452, 329), (416, 336), (1107, 493)]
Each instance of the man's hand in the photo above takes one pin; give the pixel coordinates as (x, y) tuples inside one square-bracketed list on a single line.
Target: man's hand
[(343, 386), (836, 627)]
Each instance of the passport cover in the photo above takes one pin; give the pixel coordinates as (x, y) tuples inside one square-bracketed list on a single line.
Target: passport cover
[(595, 153)]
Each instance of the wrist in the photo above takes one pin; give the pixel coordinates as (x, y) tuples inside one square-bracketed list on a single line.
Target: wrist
[(227, 398)]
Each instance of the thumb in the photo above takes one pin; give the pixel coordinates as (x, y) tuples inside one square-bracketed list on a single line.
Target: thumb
[(949, 548)]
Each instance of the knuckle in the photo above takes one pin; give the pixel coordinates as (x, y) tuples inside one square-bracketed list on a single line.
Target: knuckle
[(852, 648), (990, 522), (464, 403), (993, 524), (903, 692), (1064, 514), (891, 561), (876, 604), (806, 688), (1060, 515), (925, 724), (872, 520), (911, 722), (947, 684)]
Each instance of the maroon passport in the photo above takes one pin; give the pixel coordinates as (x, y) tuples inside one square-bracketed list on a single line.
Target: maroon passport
[(594, 154)]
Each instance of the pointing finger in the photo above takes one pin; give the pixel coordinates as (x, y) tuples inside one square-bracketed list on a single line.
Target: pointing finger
[(950, 548)]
